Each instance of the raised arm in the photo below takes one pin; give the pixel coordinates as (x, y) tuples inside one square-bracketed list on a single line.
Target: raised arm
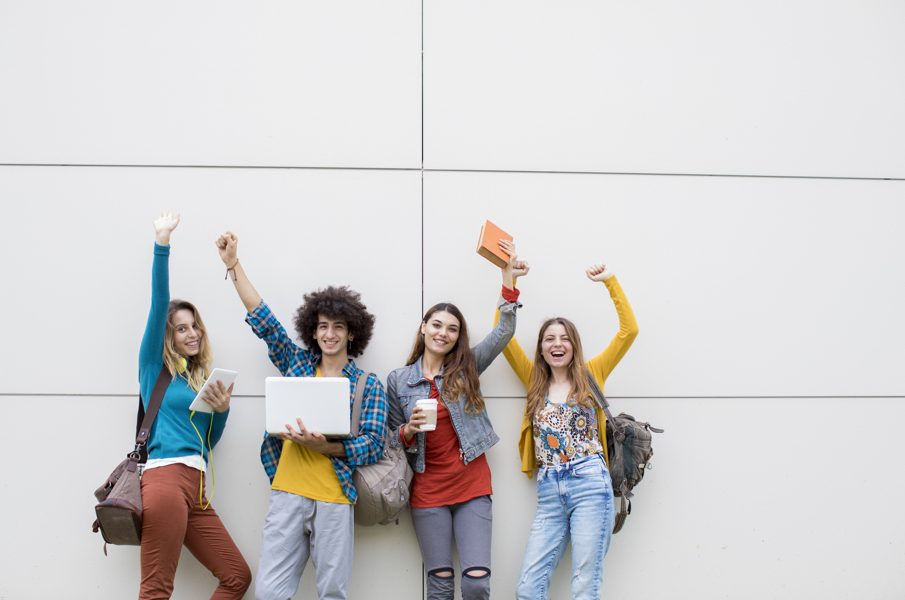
[(513, 352), (491, 346), (518, 360), (281, 350), (151, 351), (603, 364), (228, 246)]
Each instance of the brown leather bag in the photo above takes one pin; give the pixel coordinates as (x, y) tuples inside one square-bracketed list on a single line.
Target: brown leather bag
[(119, 497)]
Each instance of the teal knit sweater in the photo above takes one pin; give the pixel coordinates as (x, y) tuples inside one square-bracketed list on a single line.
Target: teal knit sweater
[(172, 434)]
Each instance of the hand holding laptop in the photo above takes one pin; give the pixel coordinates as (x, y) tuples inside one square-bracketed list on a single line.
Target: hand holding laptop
[(310, 439)]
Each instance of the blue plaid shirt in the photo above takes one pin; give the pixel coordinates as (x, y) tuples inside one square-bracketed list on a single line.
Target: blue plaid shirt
[(295, 361)]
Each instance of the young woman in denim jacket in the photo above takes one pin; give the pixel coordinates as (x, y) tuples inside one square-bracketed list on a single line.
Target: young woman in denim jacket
[(564, 437), (451, 488)]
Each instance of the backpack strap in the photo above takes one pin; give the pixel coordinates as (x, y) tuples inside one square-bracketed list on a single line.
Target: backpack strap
[(598, 395), (147, 419), (356, 405)]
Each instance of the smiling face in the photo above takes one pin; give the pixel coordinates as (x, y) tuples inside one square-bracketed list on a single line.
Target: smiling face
[(440, 332), (332, 336), (187, 333), (556, 346)]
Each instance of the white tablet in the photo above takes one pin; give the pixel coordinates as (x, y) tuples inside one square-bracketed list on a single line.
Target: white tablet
[(225, 376), (322, 403)]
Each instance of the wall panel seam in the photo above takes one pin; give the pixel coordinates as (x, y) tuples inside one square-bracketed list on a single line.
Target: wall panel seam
[(422, 169)]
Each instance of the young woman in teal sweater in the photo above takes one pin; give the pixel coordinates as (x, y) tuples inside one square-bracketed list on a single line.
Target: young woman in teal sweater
[(176, 511)]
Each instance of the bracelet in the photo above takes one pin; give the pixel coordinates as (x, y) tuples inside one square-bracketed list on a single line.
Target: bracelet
[(233, 269)]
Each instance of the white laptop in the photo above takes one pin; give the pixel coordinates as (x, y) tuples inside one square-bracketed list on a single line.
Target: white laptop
[(322, 403)]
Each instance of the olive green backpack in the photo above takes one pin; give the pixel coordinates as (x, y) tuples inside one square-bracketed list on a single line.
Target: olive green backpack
[(629, 446)]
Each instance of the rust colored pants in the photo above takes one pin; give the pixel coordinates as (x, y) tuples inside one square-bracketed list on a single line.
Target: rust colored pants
[(172, 517)]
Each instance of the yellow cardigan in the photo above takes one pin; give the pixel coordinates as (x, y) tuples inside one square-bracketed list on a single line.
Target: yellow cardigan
[(600, 366)]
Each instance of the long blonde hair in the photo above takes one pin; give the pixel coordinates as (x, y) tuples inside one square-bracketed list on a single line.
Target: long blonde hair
[(193, 368), (541, 374)]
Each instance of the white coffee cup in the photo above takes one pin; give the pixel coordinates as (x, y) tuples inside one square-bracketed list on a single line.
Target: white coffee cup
[(429, 406)]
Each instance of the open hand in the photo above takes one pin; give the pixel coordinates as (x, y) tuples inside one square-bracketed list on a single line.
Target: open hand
[(164, 226)]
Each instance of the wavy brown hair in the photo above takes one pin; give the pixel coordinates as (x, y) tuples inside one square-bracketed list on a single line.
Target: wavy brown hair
[(338, 303), (541, 374), (198, 366), (460, 372)]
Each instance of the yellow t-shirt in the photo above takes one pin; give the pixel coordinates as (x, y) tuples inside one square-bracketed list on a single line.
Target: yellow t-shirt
[(308, 473)]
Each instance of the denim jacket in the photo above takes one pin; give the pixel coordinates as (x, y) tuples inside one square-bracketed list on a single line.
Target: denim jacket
[(406, 385)]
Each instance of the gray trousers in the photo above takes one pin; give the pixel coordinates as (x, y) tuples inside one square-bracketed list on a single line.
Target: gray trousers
[(296, 528), (470, 524)]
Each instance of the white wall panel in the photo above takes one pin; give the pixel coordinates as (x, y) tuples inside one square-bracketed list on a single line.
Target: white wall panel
[(211, 83), (48, 505), (769, 307), (741, 286), (740, 502), (792, 88), (781, 498), (78, 251)]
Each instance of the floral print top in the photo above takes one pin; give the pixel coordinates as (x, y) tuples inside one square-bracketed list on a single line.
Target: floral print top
[(563, 433)]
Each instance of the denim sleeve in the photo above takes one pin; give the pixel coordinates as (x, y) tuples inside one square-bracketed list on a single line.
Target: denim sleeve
[(367, 447), (491, 346), (281, 350), (395, 414)]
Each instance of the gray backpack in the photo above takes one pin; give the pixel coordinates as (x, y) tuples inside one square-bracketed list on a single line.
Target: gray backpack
[(383, 487), (630, 453)]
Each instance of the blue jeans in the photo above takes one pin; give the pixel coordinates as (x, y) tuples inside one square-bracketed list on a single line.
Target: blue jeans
[(574, 502)]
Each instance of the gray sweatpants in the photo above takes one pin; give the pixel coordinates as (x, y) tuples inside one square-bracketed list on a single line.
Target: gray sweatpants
[(296, 528), (470, 524)]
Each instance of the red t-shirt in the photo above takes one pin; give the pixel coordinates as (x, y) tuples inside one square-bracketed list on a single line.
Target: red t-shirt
[(447, 479)]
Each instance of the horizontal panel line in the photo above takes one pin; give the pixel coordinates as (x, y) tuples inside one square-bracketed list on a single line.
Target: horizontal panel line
[(791, 397), (441, 170), (656, 174), (235, 167)]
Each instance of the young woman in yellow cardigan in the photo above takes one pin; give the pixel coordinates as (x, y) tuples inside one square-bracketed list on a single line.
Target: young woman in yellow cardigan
[(563, 437)]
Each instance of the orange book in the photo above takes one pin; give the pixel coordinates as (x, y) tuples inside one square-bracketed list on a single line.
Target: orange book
[(488, 246)]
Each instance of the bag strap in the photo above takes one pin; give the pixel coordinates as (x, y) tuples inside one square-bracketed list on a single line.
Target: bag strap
[(160, 388), (606, 405), (601, 399), (625, 509), (356, 405)]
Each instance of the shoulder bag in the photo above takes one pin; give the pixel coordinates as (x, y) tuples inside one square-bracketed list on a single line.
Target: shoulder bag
[(119, 497)]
